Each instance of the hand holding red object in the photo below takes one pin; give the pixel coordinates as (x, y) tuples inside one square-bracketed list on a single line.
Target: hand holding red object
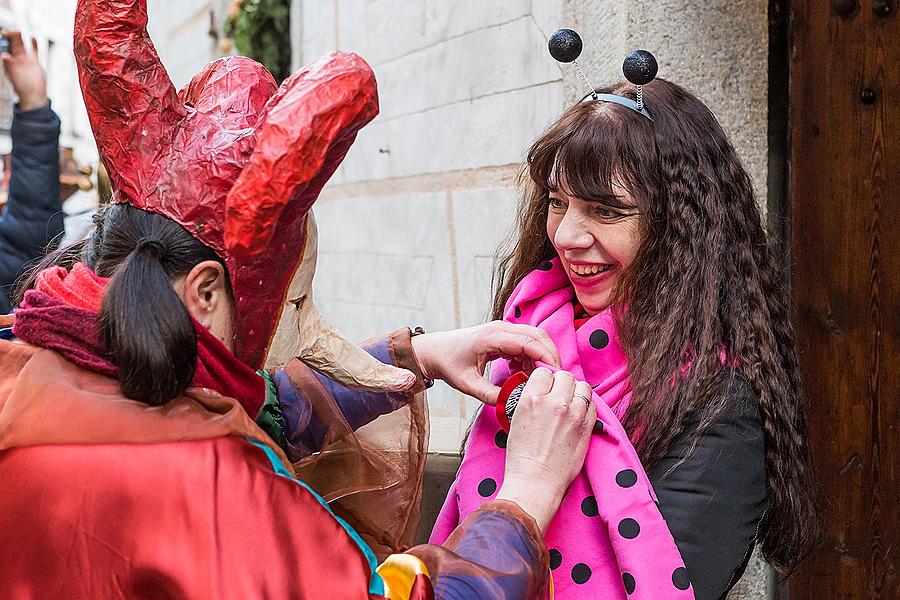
[(459, 357), (547, 442)]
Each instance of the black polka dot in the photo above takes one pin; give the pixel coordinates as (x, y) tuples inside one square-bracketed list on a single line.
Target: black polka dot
[(680, 579), (545, 266), (501, 438), (581, 573), (626, 478), (589, 507), (487, 487), (628, 580), (599, 339), (555, 558), (518, 313), (628, 528)]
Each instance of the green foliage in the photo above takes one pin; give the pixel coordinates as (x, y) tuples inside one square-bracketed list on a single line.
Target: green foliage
[(262, 31)]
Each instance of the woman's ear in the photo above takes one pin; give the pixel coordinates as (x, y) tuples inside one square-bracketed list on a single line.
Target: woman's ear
[(205, 292)]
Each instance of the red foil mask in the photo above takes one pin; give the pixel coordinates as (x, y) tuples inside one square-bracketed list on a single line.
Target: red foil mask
[(235, 159)]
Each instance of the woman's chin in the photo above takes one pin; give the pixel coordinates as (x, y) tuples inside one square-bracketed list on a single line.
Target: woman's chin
[(594, 304), (594, 299)]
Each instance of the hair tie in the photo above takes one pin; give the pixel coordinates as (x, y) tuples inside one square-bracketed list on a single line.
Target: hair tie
[(155, 245)]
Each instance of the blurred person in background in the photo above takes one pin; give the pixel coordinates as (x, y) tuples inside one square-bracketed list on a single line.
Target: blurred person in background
[(32, 219), (80, 197)]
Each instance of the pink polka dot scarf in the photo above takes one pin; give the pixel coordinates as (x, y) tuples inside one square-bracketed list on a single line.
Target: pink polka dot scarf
[(608, 539)]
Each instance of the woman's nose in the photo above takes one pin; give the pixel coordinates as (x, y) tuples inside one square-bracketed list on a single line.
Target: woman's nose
[(572, 233)]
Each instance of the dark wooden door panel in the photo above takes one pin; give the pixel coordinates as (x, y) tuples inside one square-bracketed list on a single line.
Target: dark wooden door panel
[(845, 244)]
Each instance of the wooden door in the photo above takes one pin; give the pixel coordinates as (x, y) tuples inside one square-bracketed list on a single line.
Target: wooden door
[(844, 200)]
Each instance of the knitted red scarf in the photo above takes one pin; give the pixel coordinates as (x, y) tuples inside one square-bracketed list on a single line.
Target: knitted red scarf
[(61, 314)]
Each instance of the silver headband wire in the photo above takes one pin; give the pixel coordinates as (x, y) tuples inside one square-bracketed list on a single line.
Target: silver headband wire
[(621, 100), (639, 67)]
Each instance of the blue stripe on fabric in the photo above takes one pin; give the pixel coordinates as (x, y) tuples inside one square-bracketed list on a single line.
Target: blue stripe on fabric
[(377, 584)]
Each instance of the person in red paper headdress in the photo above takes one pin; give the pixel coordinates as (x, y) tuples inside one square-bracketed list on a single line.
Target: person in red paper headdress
[(176, 418)]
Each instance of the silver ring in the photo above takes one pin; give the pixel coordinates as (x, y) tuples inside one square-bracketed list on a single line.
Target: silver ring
[(586, 399)]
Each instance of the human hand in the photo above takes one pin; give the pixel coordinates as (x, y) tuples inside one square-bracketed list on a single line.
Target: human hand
[(24, 72), (459, 357), (547, 442)]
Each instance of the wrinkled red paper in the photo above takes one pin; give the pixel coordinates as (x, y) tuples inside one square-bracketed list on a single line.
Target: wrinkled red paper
[(233, 158)]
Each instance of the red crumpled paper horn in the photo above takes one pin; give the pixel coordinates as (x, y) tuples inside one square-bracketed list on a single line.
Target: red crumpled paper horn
[(298, 148), (130, 100)]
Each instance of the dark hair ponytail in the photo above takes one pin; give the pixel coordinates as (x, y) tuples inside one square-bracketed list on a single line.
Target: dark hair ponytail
[(145, 326)]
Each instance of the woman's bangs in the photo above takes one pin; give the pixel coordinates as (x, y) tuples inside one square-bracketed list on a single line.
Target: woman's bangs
[(584, 162)]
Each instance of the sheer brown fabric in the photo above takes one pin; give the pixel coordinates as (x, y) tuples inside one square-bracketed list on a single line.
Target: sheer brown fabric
[(371, 477)]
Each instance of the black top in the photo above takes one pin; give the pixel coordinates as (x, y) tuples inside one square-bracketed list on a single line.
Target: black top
[(713, 501), (33, 217)]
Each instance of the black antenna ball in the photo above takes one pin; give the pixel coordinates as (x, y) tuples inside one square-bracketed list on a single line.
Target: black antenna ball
[(565, 45), (640, 67)]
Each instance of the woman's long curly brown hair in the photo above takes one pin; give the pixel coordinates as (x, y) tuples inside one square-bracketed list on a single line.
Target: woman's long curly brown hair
[(703, 282)]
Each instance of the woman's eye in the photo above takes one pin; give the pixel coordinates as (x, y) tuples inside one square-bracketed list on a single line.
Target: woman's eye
[(556, 203), (608, 213)]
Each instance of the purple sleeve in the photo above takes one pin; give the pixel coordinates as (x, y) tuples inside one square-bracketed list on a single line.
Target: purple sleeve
[(500, 543), (497, 553), (302, 428)]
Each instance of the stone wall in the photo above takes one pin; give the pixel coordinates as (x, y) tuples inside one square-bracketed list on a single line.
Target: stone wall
[(186, 34)]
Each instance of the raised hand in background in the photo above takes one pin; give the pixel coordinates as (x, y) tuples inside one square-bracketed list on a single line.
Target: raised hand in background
[(24, 72)]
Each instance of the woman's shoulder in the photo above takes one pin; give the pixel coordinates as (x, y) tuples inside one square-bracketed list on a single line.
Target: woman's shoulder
[(735, 403), (730, 426)]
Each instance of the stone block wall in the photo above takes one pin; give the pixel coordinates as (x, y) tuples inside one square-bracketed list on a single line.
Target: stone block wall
[(186, 34)]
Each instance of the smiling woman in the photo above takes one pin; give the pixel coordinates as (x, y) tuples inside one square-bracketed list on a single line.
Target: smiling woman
[(640, 251)]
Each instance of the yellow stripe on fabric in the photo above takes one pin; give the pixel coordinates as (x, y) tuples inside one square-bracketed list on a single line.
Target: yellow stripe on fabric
[(399, 573)]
